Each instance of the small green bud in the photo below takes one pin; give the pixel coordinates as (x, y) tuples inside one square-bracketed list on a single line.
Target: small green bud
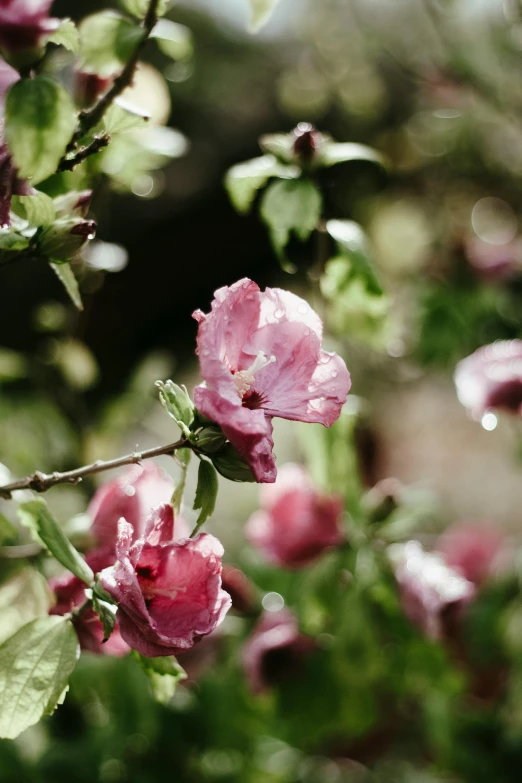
[(176, 401), (229, 463), (65, 238), (210, 440), (76, 202)]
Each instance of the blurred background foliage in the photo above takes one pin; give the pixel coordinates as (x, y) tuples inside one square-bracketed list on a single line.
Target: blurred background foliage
[(435, 86)]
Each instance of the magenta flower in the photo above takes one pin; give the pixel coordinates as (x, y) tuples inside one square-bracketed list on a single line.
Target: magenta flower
[(296, 523), (169, 593), (474, 549), (427, 586), (260, 356), (275, 650), (70, 593), (132, 495), (23, 23), (491, 378)]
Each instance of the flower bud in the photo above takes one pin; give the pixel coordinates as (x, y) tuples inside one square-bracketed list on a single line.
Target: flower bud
[(89, 86), (77, 202), (306, 142), (229, 463), (64, 240)]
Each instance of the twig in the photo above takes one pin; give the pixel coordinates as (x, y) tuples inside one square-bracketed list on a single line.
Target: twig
[(99, 143), (88, 118), (41, 482)]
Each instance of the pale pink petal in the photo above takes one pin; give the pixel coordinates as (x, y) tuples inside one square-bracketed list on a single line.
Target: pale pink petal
[(249, 431), (491, 378)]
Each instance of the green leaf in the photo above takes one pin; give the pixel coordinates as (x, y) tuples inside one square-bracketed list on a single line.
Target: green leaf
[(174, 40), (332, 153), (7, 530), (290, 205), (206, 493), (38, 209), (231, 465), (12, 240), (35, 666), (260, 13), (107, 613), (122, 117), (280, 145), (66, 276), (176, 401), (183, 456), (245, 179), (164, 674), (210, 439), (39, 122), (108, 39), (37, 517), (138, 8), (353, 244), (23, 598), (66, 35)]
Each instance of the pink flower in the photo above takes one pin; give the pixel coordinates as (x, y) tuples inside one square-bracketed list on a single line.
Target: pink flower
[(132, 495), (296, 523), (70, 593), (427, 586), (474, 549), (260, 356), (23, 23), (491, 378), (169, 593), (275, 650)]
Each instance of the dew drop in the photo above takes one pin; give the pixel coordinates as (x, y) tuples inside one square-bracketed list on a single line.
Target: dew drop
[(279, 313), (334, 373), (303, 308)]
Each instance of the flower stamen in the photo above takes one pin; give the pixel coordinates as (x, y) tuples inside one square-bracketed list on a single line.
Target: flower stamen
[(244, 379)]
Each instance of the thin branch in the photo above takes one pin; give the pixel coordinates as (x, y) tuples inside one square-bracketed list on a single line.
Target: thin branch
[(41, 482), (91, 117), (99, 143)]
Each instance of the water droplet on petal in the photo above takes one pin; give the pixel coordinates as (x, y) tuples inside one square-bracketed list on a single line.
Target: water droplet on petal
[(303, 308), (334, 373), (279, 313)]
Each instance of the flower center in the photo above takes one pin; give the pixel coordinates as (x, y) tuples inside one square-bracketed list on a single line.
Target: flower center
[(244, 379)]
